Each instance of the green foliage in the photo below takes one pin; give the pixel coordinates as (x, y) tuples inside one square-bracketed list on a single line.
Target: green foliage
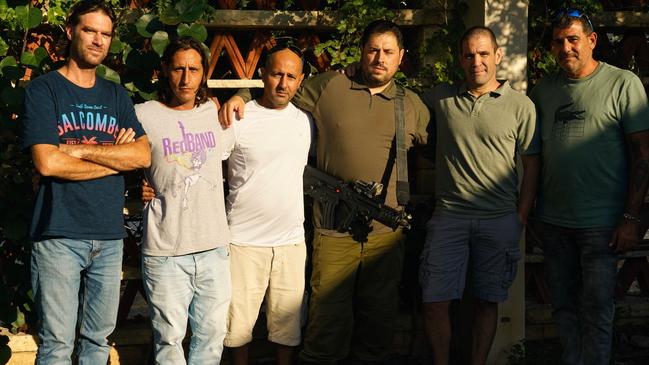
[(442, 49), (28, 17), (187, 11), (196, 31), (148, 24), (353, 16)]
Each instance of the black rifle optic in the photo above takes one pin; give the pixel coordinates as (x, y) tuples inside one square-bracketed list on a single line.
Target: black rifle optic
[(351, 207)]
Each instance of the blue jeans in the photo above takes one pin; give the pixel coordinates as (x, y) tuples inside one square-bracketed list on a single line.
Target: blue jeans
[(75, 281), (194, 287), (581, 271)]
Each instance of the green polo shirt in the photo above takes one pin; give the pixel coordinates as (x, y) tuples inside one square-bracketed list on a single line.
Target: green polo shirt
[(355, 129), (583, 127), (477, 142)]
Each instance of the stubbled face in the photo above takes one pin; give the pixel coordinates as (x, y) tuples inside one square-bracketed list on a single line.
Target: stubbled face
[(380, 59), (479, 60), (90, 39), (573, 49), (282, 78), (185, 74)]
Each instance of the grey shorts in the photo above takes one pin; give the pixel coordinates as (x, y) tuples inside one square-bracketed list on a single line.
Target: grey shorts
[(492, 246)]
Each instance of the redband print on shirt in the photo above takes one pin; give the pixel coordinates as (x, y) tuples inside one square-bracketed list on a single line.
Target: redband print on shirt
[(190, 154)]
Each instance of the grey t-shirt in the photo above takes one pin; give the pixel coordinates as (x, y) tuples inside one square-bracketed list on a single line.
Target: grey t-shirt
[(187, 147)]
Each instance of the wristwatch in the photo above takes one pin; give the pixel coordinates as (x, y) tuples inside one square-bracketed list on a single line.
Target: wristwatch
[(631, 217)]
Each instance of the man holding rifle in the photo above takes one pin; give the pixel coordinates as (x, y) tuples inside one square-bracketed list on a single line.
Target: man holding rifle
[(354, 284)]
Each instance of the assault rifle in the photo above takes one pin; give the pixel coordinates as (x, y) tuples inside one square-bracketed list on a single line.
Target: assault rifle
[(351, 207)]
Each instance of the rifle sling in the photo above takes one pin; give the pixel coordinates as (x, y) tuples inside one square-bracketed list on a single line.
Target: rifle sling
[(403, 188)]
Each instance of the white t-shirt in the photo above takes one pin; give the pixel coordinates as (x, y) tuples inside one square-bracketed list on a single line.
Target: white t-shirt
[(187, 214), (266, 204)]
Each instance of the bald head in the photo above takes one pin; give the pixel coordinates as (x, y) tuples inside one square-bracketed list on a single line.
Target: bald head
[(282, 76)]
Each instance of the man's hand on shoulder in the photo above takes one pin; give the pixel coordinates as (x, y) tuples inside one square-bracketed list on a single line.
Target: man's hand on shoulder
[(231, 109)]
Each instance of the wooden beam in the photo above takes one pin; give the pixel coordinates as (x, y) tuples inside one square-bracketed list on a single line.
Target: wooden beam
[(318, 20), (623, 19)]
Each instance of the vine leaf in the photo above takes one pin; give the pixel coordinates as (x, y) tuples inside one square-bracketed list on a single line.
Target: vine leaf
[(187, 11), (159, 42), (28, 17), (28, 59), (9, 68), (20, 320), (41, 55), (34, 18), (148, 24), (34, 59), (196, 31), (4, 47), (116, 46), (108, 73)]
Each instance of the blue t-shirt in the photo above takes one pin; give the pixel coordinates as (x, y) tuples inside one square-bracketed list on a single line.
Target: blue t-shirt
[(59, 112)]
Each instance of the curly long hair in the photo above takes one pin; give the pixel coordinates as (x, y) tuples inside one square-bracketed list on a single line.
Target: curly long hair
[(165, 93)]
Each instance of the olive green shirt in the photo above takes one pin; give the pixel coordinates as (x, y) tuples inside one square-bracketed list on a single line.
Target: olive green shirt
[(478, 139), (583, 127), (355, 129)]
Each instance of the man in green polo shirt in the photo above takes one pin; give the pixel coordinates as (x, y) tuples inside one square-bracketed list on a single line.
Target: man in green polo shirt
[(354, 284), (482, 125), (595, 135)]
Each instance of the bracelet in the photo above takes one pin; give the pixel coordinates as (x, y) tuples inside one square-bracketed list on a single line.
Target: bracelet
[(631, 217)]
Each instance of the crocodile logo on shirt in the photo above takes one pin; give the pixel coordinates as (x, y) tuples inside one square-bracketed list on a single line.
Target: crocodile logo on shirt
[(568, 122)]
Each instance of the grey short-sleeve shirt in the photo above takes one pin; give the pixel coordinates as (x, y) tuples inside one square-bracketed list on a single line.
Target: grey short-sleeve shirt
[(187, 148)]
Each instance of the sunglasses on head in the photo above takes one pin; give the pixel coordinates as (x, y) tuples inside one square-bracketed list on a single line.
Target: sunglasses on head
[(572, 13), (282, 44)]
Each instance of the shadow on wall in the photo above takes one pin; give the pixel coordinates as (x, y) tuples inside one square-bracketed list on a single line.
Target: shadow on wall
[(508, 20)]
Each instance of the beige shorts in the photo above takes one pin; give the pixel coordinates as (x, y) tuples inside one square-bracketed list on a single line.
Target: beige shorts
[(276, 273)]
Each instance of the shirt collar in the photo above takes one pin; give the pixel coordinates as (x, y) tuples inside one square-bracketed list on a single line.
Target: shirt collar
[(501, 90), (358, 83)]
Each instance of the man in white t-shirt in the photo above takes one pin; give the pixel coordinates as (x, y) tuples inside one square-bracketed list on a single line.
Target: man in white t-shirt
[(266, 210)]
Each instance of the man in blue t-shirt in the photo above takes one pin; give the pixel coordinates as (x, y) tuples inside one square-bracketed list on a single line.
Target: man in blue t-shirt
[(82, 132)]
